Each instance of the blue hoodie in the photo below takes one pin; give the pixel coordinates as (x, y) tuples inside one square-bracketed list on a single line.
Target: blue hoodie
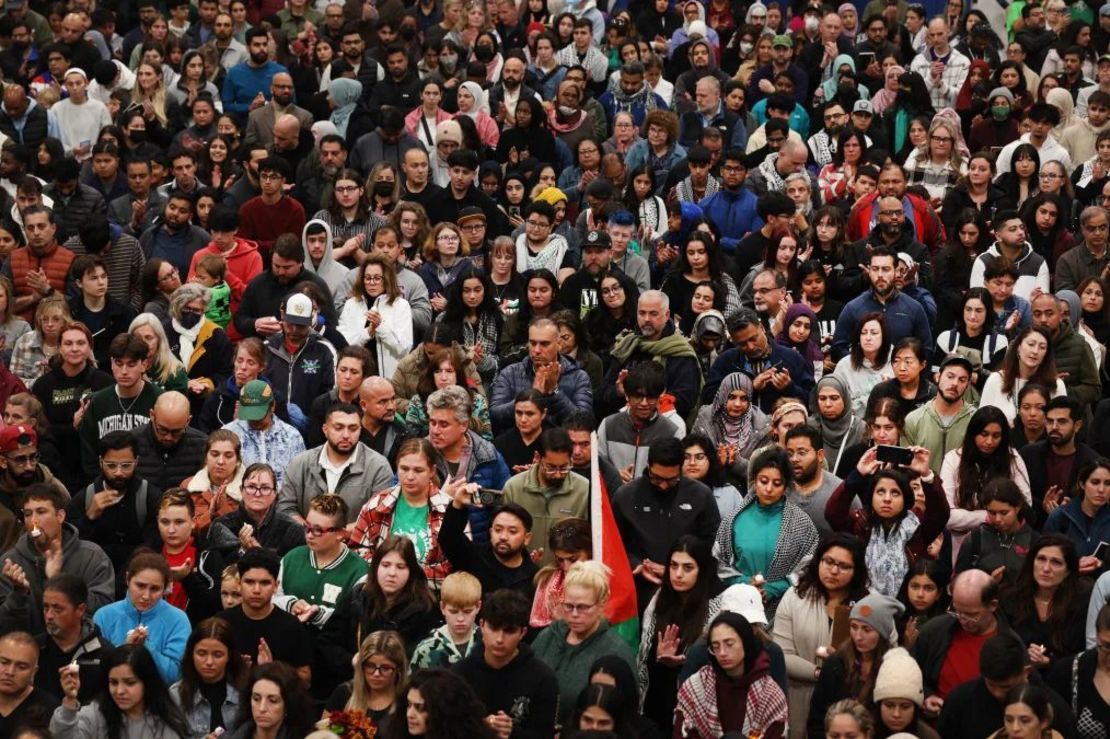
[(733, 213), (168, 631)]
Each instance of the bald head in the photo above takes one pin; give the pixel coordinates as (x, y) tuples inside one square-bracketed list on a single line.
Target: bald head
[(378, 400), (287, 132), (975, 600), (169, 418), (15, 100)]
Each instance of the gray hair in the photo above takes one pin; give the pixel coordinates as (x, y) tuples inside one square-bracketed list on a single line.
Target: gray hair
[(1090, 212), (802, 176), (656, 295), (452, 398), (186, 294)]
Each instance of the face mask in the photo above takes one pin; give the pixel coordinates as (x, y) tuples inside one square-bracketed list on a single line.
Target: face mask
[(484, 53), (189, 318), (138, 137), (746, 47), (383, 189), (812, 23), (448, 61), (567, 111), (1000, 112), (408, 33)]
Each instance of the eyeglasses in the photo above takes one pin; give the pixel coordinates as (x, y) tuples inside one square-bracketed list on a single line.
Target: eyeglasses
[(537, 224), (552, 469), (716, 646), (578, 607), (169, 275), (832, 564), (965, 618), (121, 466), (1050, 176), (270, 177), (663, 482), (447, 237), (164, 431), (614, 290), (941, 139), (891, 213), (346, 189), (319, 531), (259, 490), (373, 279), (374, 669), (473, 227), (23, 460)]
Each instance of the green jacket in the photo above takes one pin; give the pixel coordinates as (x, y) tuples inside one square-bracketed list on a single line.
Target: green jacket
[(924, 428), (1075, 357), (547, 506), (571, 663)]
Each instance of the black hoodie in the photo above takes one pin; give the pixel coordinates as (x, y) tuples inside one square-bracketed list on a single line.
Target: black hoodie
[(525, 689)]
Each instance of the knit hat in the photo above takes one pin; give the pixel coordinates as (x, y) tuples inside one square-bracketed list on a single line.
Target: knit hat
[(1001, 92), (899, 677), (878, 611), (449, 131), (552, 195)]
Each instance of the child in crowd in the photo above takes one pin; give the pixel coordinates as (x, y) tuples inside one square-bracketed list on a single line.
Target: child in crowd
[(460, 600), (212, 273)]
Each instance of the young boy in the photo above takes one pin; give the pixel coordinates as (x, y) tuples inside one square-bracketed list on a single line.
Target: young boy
[(105, 316), (460, 599), (230, 593), (1011, 312), (211, 272)]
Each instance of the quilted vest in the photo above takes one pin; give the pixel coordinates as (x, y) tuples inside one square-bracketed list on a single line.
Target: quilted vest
[(56, 265)]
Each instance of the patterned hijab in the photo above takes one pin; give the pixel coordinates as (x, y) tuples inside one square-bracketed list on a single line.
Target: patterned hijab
[(733, 431)]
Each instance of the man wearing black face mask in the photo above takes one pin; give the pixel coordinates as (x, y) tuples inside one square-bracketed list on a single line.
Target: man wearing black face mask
[(401, 86)]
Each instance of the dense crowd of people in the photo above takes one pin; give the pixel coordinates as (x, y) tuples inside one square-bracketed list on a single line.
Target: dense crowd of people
[(340, 342)]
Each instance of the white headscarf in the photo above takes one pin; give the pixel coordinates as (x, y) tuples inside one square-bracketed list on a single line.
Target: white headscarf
[(481, 103)]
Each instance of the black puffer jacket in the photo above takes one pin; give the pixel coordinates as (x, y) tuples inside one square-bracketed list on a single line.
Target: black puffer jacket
[(166, 468), (76, 209)]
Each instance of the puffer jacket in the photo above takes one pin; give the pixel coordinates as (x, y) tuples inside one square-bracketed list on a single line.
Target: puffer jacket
[(1076, 362), (1070, 520), (575, 392), (166, 468), (70, 212)]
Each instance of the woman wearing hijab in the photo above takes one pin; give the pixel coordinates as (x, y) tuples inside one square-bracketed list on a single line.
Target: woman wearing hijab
[(885, 97), (839, 427), (528, 135), (473, 104), (791, 335), (343, 97), (734, 424), (1061, 99)]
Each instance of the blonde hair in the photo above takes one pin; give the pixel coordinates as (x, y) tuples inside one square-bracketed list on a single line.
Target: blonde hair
[(591, 575), (9, 304), (955, 158), (854, 709), (157, 98), (460, 589), (166, 363), (389, 645), (54, 302)]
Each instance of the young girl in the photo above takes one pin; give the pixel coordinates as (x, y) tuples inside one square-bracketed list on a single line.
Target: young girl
[(924, 594), (641, 201)]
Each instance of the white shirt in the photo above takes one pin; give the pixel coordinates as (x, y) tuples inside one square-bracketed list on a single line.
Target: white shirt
[(1050, 151), (333, 472)]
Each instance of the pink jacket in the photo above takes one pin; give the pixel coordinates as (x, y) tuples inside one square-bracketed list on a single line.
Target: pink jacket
[(488, 129), (412, 120)]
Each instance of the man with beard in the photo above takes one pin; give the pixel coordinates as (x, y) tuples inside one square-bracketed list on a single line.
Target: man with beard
[(41, 268), (21, 703), (136, 211), (22, 60), (941, 424), (272, 213), (1009, 230), (702, 58), (762, 82), (299, 359), (904, 316), (1054, 463), (341, 466), (246, 83), (822, 145), (169, 448), (401, 86), (579, 292), (548, 490), (316, 179), (228, 49), (47, 547), (1075, 362), (648, 536), (504, 96), (261, 121), (633, 96), (386, 143), (658, 341), (261, 305), (711, 112), (175, 238), (893, 232), (118, 511), (266, 438), (69, 635), (1035, 37), (22, 119), (776, 371), (865, 214), (293, 143), (383, 430), (20, 467), (247, 186), (1091, 258), (365, 68), (503, 564), (418, 187), (813, 485), (72, 36)]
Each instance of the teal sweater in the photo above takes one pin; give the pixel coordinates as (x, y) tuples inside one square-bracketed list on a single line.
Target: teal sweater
[(758, 528)]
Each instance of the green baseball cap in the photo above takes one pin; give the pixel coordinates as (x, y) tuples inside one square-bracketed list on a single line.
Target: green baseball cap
[(782, 40), (255, 400)]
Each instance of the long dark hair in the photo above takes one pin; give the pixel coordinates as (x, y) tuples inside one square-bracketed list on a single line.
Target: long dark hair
[(931, 569), (809, 582), (148, 279), (362, 211), (219, 630), (415, 591), (454, 709), (156, 694), (715, 477), (456, 311), (688, 610), (1044, 244), (752, 646), (983, 296), (836, 216), (902, 480), (1046, 373), (608, 698), (857, 349), (1068, 601), (977, 468), (954, 250), (916, 101), (712, 252), (298, 708)]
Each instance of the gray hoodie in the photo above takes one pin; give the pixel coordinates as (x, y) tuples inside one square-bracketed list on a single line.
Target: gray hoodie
[(330, 271)]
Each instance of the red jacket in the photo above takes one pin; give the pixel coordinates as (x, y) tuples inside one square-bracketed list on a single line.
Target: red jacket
[(926, 223), (264, 223)]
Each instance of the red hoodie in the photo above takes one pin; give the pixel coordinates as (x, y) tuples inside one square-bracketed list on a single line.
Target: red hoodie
[(243, 265)]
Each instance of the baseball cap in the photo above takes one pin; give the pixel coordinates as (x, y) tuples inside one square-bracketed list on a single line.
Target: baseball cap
[(297, 310), (255, 400), (1104, 10), (782, 40), (862, 106), (597, 240), (1104, 57), (470, 213), (959, 359), (14, 437), (744, 600)]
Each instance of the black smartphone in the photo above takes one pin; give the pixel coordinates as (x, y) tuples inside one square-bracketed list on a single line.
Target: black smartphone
[(489, 497), (1101, 551), (896, 455), (514, 211)]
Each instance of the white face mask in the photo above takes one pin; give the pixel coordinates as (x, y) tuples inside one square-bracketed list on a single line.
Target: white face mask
[(746, 47), (812, 23)]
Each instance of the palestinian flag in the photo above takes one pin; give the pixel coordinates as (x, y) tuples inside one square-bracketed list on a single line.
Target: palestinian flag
[(609, 549)]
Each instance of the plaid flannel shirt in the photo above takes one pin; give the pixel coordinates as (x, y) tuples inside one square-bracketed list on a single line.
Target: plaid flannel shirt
[(943, 95), (375, 521)]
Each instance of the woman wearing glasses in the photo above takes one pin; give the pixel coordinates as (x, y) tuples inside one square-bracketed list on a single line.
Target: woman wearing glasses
[(938, 164), (257, 523), (1053, 179), (571, 645), (414, 509), (445, 258), (381, 668), (376, 316)]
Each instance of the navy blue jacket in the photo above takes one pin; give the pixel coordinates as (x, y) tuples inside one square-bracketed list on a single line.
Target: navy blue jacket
[(733, 360), (904, 317)]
